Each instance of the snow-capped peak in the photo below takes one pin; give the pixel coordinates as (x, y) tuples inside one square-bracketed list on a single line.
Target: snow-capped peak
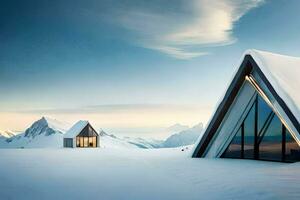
[(7, 133), (185, 137), (45, 126), (177, 128), (198, 127)]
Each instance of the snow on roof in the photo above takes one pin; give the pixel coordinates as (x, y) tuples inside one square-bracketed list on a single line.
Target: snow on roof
[(76, 129), (283, 72)]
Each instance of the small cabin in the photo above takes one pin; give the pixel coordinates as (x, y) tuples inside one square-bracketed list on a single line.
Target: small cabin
[(81, 135)]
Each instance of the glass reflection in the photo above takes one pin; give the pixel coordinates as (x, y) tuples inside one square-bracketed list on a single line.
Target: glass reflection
[(86, 141), (234, 150), (270, 146), (249, 134), (292, 149), (272, 137)]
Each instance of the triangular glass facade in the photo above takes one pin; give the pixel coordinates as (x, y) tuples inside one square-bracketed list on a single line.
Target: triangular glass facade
[(262, 136)]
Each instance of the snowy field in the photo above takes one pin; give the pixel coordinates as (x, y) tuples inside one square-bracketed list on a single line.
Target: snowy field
[(140, 174)]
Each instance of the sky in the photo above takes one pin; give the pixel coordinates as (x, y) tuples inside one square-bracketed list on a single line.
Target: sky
[(132, 64)]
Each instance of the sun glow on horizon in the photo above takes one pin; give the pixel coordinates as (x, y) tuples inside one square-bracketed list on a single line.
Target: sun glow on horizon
[(133, 118)]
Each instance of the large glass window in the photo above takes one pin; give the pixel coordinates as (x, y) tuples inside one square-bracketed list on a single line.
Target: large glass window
[(292, 149), (85, 141), (81, 142), (94, 141), (234, 149), (264, 112), (90, 141), (249, 134), (271, 141)]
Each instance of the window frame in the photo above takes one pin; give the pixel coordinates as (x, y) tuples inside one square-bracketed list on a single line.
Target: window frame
[(259, 135)]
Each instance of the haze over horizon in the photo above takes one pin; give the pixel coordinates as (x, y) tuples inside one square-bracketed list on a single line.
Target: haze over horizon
[(131, 65)]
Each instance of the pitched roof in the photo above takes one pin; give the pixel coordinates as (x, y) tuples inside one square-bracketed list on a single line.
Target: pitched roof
[(76, 129), (281, 72)]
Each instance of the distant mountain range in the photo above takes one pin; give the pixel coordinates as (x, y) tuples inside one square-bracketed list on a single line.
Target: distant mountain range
[(176, 128), (185, 137), (48, 133)]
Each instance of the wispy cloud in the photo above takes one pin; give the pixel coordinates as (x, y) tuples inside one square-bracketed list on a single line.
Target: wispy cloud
[(195, 24)]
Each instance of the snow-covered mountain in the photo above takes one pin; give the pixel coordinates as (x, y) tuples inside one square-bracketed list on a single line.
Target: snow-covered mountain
[(6, 134), (46, 127), (44, 133), (183, 138), (176, 128)]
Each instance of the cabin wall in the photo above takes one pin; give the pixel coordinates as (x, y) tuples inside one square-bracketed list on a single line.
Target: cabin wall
[(98, 141), (68, 142)]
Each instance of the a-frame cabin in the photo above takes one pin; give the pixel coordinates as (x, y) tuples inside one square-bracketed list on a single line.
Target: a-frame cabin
[(258, 117), (81, 135)]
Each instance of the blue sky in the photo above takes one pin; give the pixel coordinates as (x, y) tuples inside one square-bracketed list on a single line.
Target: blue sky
[(112, 61)]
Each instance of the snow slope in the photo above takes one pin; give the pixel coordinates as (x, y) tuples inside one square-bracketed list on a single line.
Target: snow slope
[(114, 174), (144, 143), (111, 141)]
